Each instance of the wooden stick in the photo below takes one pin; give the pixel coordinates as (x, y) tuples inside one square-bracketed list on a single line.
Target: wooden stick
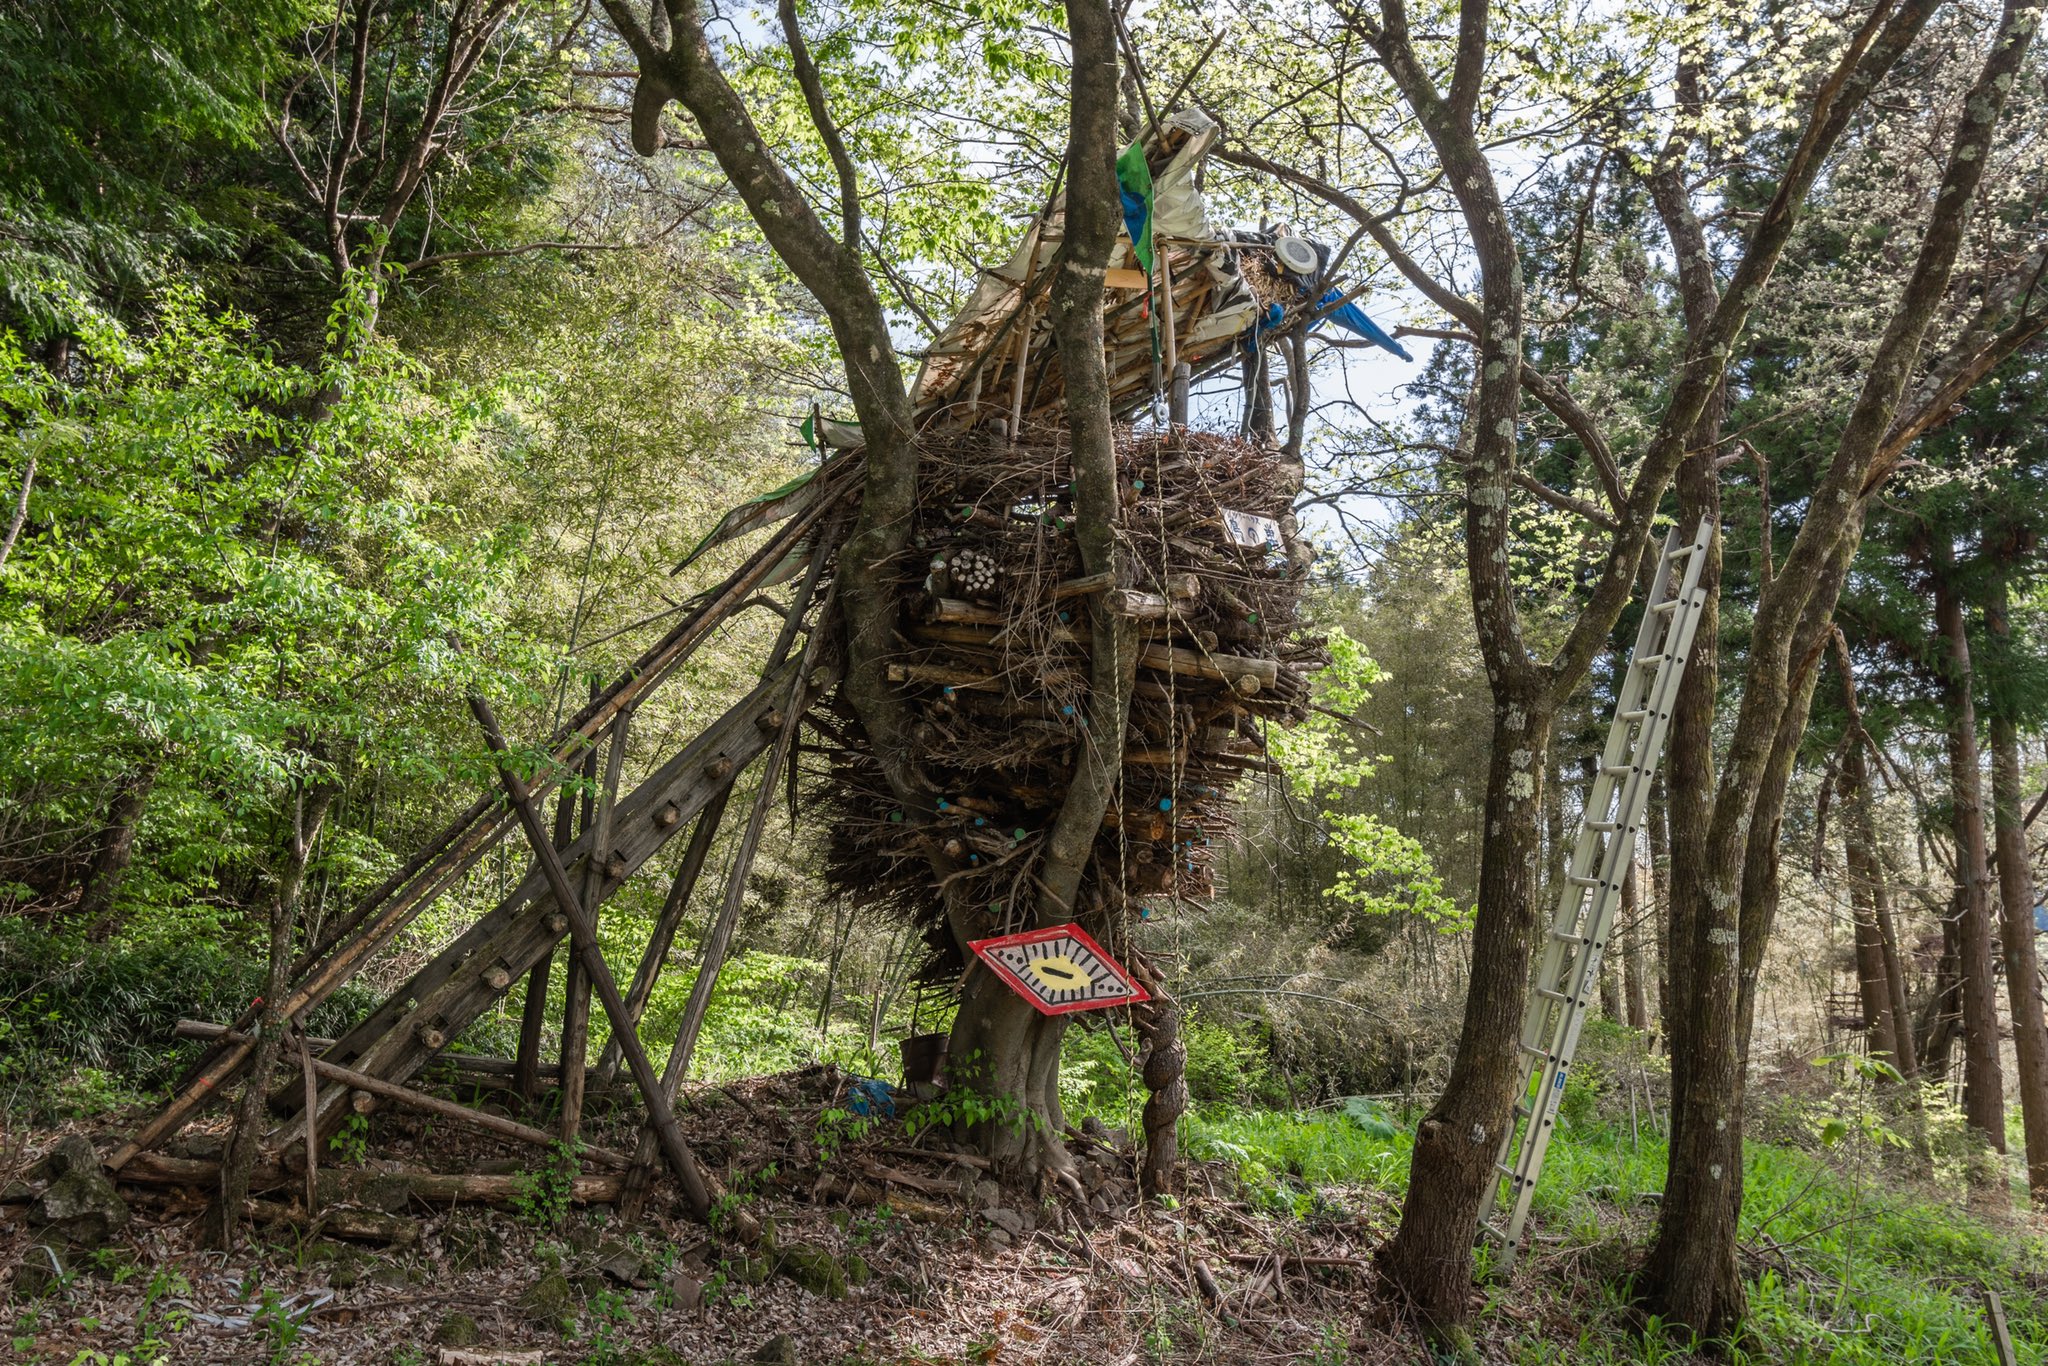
[(660, 1112), (155, 1169), (312, 1087), (395, 904), (533, 1014), (712, 960), (433, 1105), (576, 1013), (666, 924)]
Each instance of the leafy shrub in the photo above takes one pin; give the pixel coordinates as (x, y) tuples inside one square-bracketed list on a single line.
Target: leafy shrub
[(84, 1026)]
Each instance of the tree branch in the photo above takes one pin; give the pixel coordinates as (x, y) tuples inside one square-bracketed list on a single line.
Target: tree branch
[(821, 118)]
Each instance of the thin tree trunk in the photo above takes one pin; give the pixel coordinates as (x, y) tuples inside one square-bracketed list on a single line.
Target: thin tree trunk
[(223, 1223), (2016, 897), (116, 849), (1001, 1045), (1658, 891), (1983, 1077), (1632, 948)]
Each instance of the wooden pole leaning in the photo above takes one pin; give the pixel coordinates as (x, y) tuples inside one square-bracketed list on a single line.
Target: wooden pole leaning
[(719, 940), (661, 1116), (434, 1105), (576, 1005), (443, 863), (666, 924), (534, 1011)]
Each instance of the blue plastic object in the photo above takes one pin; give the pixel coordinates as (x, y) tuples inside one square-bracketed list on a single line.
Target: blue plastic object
[(867, 1096), (1352, 318)]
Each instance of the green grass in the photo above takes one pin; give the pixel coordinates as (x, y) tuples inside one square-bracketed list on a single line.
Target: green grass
[(1847, 1264)]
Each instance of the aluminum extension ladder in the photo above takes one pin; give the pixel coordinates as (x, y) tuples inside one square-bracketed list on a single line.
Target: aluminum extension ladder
[(1568, 973)]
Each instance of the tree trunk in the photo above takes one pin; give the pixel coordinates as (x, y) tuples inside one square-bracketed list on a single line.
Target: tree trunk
[(1983, 1079), (1632, 948), (1430, 1257), (1937, 1028), (1690, 1276), (1658, 890), (1002, 1047), (222, 1230), (116, 850), (2016, 897), (1873, 971)]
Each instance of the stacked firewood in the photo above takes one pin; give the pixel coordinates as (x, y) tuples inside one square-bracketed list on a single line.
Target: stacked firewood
[(996, 653)]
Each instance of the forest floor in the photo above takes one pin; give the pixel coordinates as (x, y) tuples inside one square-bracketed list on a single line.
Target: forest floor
[(884, 1246)]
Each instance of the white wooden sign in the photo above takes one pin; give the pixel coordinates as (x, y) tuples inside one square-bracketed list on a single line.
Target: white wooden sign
[(1249, 529)]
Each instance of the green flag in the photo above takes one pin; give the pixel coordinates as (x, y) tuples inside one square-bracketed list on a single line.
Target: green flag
[(1134, 186)]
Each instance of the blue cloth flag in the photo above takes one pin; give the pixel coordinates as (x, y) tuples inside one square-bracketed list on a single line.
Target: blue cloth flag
[(1352, 318)]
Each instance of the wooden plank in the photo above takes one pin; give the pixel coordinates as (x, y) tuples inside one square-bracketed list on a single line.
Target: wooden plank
[(432, 1105), (2001, 1335)]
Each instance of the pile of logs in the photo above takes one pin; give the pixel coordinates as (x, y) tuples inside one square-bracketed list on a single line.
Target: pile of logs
[(995, 662)]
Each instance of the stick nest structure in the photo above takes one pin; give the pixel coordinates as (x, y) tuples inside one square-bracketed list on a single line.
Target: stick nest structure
[(995, 661)]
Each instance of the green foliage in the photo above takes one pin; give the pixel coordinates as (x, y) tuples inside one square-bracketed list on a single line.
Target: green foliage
[(116, 111), (1384, 870), (237, 581), (85, 1026), (544, 1196), (1862, 1269)]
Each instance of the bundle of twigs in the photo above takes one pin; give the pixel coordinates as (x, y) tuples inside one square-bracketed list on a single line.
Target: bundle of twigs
[(994, 659)]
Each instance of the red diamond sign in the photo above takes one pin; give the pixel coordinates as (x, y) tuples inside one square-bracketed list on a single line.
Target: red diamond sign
[(1059, 970)]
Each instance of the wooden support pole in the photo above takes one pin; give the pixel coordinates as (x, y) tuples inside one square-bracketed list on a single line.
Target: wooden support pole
[(661, 1115), (576, 1007), (1169, 343), (1177, 395), (439, 866), (533, 1016), (432, 1105), (431, 1188), (720, 939), (312, 1090), (666, 924)]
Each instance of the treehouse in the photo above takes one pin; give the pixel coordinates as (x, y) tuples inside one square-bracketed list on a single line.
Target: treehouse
[(991, 660)]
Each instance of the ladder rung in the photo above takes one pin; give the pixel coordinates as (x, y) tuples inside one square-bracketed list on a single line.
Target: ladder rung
[(1683, 552), (1547, 994), (1578, 881), (1603, 827), (1533, 1051), (1523, 1110), (1617, 769), (1571, 936), (1509, 1172), (1651, 661), (1668, 605), (1638, 714)]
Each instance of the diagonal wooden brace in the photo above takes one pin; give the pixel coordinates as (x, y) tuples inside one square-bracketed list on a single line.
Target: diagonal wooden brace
[(661, 1115)]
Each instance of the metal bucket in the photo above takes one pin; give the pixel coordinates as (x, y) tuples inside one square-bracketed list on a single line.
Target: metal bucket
[(924, 1061)]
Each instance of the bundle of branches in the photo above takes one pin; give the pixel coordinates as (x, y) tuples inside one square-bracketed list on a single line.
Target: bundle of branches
[(994, 660)]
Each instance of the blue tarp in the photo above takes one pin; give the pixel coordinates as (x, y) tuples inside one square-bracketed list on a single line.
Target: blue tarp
[(1352, 318)]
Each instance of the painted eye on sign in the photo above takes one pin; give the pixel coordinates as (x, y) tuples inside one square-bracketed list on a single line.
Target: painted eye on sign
[(1060, 969)]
